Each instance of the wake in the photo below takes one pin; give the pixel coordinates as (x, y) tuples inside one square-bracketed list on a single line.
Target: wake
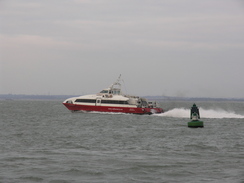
[(204, 113)]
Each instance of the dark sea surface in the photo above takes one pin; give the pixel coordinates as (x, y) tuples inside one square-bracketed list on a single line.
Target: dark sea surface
[(41, 141)]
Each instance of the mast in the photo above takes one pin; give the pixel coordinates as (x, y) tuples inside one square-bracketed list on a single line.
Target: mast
[(117, 82), (116, 90)]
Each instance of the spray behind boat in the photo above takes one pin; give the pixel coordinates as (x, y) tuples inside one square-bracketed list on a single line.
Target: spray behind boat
[(195, 116)]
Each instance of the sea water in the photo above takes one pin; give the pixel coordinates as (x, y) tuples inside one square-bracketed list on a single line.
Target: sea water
[(41, 141)]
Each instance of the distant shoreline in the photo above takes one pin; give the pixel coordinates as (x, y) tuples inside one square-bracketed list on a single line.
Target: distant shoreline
[(63, 97), (33, 97)]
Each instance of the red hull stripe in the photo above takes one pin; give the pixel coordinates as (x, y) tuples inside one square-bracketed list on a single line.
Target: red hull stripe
[(75, 107)]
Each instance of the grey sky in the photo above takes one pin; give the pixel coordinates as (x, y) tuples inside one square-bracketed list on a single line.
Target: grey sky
[(161, 47)]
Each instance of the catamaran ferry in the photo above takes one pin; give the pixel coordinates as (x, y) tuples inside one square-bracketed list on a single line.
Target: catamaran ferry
[(112, 99)]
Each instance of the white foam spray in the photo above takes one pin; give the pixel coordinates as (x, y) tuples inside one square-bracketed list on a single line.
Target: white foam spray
[(204, 113)]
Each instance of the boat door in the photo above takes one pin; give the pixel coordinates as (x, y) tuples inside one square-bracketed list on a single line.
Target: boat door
[(98, 102)]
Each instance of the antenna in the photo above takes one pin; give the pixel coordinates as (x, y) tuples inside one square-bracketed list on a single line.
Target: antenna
[(117, 82)]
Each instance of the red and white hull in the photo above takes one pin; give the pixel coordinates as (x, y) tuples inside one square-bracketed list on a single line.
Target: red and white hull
[(132, 110), (112, 100)]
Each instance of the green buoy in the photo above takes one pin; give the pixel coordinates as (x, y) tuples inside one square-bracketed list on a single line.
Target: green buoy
[(195, 116)]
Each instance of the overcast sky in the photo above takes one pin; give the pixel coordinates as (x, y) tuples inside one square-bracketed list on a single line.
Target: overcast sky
[(161, 47)]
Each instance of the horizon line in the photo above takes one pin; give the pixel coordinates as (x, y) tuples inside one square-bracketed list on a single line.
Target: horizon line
[(159, 96)]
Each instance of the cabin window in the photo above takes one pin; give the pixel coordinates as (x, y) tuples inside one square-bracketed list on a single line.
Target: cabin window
[(114, 102), (104, 91), (116, 92), (86, 100)]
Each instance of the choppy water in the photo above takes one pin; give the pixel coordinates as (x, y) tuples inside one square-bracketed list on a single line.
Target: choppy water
[(41, 141)]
